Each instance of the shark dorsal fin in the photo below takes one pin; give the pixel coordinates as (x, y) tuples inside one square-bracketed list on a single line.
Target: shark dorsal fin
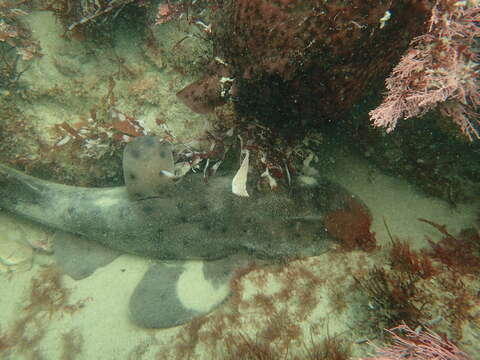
[(147, 164)]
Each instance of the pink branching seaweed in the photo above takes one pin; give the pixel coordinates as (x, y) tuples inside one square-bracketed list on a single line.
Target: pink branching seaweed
[(439, 70), (418, 345)]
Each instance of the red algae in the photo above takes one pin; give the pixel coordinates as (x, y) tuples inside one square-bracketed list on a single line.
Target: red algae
[(459, 253), (351, 225)]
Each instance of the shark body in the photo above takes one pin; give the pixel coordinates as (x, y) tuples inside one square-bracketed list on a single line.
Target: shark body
[(153, 216), (193, 220)]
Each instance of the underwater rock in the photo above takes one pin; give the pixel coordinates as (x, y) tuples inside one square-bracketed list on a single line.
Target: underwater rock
[(202, 96), (310, 58)]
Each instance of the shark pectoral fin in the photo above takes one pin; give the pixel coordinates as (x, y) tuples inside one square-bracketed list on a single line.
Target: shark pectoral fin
[(169, 295), (79, 257), (147, 167)]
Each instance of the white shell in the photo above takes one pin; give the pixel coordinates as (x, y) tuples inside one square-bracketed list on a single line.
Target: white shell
[(239, 182)]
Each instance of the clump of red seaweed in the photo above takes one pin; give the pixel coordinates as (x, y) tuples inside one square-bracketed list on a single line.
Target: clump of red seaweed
[(351, 225), (244, 347), (404, 259), (394, 296), (426, 287), (460, 253)]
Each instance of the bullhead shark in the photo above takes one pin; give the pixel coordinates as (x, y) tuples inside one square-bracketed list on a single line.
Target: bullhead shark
[(168, 218)]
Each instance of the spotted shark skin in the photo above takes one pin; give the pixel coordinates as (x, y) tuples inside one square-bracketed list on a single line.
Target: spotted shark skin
[(192, 220), (182, 220)]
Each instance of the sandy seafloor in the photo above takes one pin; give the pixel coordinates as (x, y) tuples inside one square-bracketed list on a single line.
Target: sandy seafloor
[(103, 323), (100, 329)]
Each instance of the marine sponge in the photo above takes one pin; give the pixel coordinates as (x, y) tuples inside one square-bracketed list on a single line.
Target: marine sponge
[(314, 58)]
